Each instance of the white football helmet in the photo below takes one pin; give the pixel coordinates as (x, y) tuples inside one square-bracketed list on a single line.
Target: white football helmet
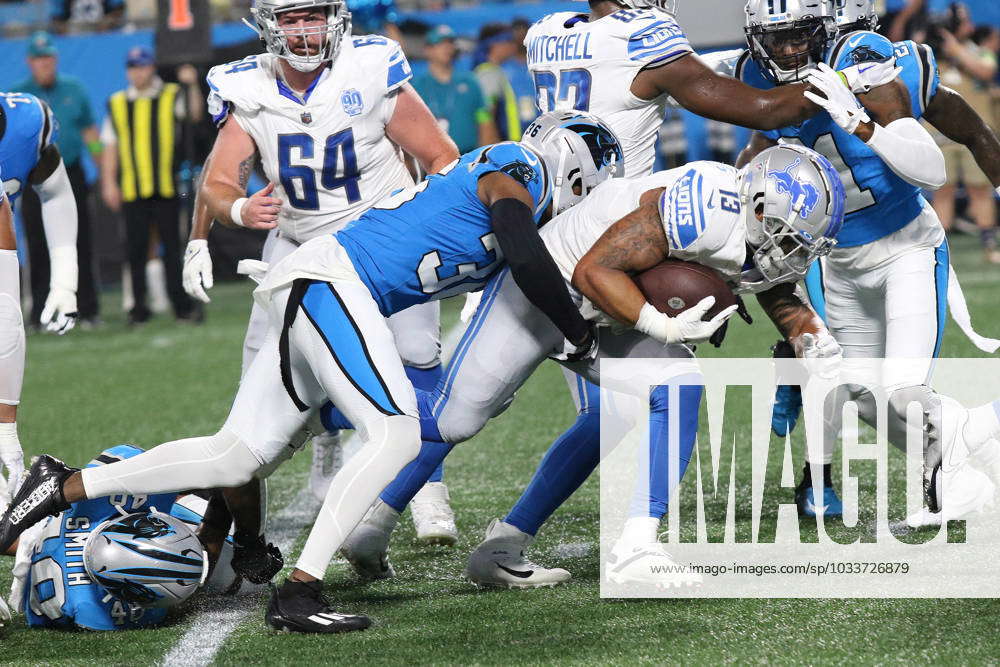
[(579, 153), (853, 15), (800, 198), (148, 559), (771, 25), (668, 6), (275, 38)]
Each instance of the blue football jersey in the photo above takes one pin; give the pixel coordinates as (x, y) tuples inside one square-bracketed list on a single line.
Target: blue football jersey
[(879, 202), (435, 240), (27, 127), (59, 594)]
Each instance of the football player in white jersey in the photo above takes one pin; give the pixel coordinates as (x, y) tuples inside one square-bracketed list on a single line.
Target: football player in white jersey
[(739, 223), (324, 111)]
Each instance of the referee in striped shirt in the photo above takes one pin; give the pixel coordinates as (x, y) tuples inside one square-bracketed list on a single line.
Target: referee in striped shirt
[(141, 134)]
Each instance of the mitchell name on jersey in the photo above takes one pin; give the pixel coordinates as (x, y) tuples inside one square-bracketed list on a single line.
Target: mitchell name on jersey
[(699, 209), (326, 151), (590, 65)]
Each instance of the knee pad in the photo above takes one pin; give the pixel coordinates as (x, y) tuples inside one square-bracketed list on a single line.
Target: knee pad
[(404, 432), (460, 421), (930, 406), (235, 462)]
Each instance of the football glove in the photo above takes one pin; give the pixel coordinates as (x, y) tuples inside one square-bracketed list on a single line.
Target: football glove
[(836, 99), (584, 352), (472, 300), (863, 77), (687, 327), (255, 560), (821, 353), (59, 314), (197, 273), (12, 459)]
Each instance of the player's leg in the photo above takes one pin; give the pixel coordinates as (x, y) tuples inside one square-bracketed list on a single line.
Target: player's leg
[(504, 343), (274, 249), (499, 559), (417, 331), (853, 307), (11, 358)]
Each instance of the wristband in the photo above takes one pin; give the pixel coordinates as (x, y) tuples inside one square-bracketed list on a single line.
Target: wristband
[(236, 211), (95, 146), (653, 323)]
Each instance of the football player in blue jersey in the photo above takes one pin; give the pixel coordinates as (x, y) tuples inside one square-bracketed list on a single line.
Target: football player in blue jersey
[(28, 156), (892, 246), (56, 581), (328, 301)]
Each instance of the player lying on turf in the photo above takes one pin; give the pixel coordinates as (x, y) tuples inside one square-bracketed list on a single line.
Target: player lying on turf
[(884, 290), (117, 563), (759, 227), (328, 302)]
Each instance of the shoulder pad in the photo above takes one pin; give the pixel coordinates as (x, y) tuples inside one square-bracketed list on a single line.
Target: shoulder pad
[(681, 210), (238, 84), (656, 40), (375, 54), (859, 47)]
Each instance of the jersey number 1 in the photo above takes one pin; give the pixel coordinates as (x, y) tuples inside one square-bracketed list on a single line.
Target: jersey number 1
[(337, 145)]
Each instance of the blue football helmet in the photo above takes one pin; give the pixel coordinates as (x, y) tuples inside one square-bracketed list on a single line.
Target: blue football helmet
[(148, 559)]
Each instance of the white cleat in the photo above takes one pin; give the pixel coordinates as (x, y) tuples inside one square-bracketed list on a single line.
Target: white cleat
[(432, 515), (328, 459), (367, 547), (966, 491), (499, 561), (648, 564)]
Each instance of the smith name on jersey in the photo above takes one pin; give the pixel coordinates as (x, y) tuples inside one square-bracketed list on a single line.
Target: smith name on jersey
[(590, 65), (326, 151), (27, 127), (699, 209), (428, 242), (879, 202)]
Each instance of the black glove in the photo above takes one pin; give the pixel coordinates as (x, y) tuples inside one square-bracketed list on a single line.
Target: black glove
[(255, 560)]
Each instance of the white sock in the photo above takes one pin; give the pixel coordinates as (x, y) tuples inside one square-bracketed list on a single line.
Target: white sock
[(356, 487), (640, 530), (983, 424)]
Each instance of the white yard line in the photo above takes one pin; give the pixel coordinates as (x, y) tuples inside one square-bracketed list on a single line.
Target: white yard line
[(219, 616)]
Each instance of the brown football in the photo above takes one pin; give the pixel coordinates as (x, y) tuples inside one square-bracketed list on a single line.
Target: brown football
[(674, 286)]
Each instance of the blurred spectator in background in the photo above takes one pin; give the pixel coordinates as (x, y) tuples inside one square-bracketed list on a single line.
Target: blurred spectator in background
[(517, 72), (967, 60), (453, 97), (87, 14), (496, 45), (138, 170), (68, 100), (375, 17)]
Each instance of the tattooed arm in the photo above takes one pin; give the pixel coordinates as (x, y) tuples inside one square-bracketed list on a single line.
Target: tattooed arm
[(791, 314), (631, 245), (222, 194)]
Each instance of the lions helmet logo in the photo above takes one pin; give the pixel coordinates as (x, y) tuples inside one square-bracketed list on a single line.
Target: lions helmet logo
[(804, 195)]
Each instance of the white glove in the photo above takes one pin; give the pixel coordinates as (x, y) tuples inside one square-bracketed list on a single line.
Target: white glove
[(688, 327), (822, 353), (837, 99), (59, 313), (197, 274), (472, 300), (863, 77), (4, 613), (11, 458)]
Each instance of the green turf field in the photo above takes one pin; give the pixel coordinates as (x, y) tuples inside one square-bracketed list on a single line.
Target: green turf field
[(89, 390)]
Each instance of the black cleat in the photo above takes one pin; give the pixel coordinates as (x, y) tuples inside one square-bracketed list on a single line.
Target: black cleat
[(298, 606), (40, 496)]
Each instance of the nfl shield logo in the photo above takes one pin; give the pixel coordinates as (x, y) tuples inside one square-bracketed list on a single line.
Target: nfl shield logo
[(352, 102), (306, 117)]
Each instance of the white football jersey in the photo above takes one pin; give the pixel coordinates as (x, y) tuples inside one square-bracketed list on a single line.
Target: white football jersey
[(590, 65), (699, 209), (327, 152)]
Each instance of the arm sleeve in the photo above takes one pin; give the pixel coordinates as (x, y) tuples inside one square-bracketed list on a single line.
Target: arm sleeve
[(59, 220), (910, 151), (533, 269)]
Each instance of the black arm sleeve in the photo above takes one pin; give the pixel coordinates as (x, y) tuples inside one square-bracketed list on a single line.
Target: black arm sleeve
[(533, 269)]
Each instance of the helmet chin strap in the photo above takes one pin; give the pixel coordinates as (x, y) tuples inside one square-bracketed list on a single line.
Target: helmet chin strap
[(558, 181)]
